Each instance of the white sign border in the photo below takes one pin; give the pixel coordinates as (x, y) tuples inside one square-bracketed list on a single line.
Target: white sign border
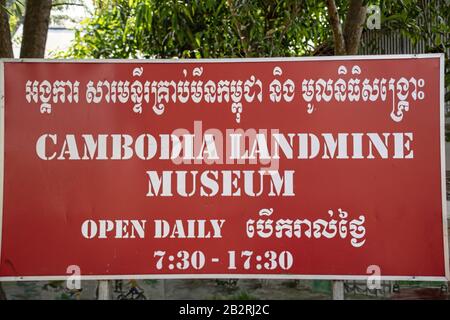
[(242, 276)]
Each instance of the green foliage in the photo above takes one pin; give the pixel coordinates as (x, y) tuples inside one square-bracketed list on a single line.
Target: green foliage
[(12, 7), (244, 28), (202, 29), (15, 9), (151, 282), (243, 295), (418, 20), (239, 28)]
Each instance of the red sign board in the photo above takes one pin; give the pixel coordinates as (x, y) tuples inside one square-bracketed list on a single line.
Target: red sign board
[(320, 168)]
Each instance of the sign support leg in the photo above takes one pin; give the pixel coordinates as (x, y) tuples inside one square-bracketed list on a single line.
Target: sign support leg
[(104, 290), (338, 289), (163, 287)]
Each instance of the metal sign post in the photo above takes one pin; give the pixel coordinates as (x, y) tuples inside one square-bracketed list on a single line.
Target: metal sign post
[(104, 290), (338, 289)]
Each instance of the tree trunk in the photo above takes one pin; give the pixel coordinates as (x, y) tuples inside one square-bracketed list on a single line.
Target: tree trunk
[(347, 41), (354, 24), (35, 28), (6, 49), (333, 15)]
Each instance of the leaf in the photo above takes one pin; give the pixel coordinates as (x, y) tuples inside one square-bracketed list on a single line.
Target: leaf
[(7, 10)]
